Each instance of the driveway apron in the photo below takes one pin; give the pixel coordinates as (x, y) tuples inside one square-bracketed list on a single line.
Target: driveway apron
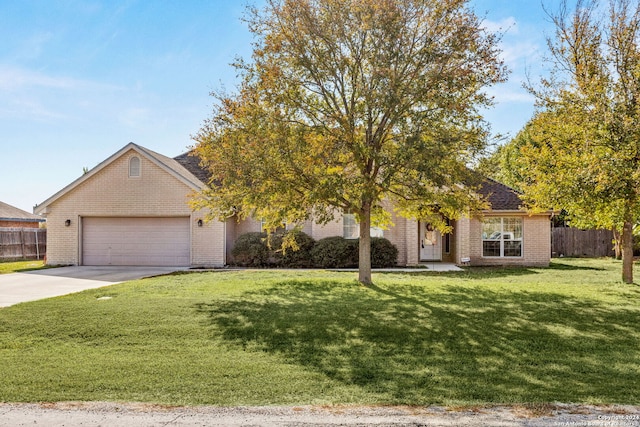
[(34, 285)]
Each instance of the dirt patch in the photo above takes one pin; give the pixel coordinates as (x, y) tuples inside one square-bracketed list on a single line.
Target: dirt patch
[(143, 415)]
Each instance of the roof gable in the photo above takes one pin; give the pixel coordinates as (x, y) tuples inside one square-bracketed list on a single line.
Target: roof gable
[(167, 164), (501, 197)]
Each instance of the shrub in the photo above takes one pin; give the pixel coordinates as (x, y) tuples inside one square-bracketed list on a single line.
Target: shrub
[(383, 253), (250, 250), (289, 257), (335, 252)]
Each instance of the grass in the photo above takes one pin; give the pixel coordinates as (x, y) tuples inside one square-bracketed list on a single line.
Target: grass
[(17, 266), (568, 333)]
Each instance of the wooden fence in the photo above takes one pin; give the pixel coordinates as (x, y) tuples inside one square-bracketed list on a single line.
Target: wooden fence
[(23, 243), (573, 242)]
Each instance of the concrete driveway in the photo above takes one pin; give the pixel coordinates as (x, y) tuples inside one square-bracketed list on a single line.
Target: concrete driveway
[(52, 282)]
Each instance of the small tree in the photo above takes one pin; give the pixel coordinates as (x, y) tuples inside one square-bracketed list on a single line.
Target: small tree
[(348, 103), (583, 151)]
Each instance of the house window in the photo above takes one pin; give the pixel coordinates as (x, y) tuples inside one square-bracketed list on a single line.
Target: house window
[(351, 228), (502, 237), (134, 167), (376, 232)]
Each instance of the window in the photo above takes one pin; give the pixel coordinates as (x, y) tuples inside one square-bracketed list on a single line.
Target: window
[(351, 229), (376, 232), (134, 167), (502, 237)]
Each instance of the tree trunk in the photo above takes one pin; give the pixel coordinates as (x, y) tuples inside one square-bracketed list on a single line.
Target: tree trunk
[(364, 260), (627, 252), (616, 244)]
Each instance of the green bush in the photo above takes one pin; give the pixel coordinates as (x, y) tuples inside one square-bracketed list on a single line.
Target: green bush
[(255, 250), (289, 257), (250, 250), (383, 253), (335, 252)]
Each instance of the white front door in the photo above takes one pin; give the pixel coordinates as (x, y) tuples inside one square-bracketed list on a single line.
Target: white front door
[(430, 243)]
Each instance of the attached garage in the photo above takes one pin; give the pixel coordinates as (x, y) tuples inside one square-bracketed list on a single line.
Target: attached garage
[(134, 209), (136, 241)]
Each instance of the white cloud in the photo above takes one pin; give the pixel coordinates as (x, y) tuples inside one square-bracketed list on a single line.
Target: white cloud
[(24, 107), (519, 54), (12, 79), (507, 25), (506, 94), (29, 94)]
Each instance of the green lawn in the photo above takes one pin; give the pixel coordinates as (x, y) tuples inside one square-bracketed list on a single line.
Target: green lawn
[(569, 333), (16, 266)]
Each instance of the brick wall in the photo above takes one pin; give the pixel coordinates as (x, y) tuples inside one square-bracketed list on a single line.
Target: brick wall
[(112, 193), (536, 250), (398, 236), (466, 239), (334, 228)]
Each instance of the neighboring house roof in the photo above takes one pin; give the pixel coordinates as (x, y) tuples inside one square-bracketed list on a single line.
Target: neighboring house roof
[(11, 213), (170, 165), (500, 196)]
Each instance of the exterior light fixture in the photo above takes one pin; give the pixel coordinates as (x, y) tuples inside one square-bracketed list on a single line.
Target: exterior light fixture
[(199, 223), (67, 223)]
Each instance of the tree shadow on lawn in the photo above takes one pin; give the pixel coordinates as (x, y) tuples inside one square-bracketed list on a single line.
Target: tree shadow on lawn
[(405, 344), (488, 272), (556, 264)]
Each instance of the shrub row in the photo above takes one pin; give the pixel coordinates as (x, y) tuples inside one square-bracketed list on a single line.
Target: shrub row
[(256, 250)]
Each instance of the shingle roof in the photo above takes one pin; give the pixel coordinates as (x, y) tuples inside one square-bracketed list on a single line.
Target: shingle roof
[(191, 162), (11, 213), (500, 196)]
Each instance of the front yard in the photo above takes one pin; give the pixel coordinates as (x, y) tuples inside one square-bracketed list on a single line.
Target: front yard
[(564, 334), (17, 266)]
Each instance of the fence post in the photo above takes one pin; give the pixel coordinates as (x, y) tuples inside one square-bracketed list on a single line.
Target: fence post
[(37, 245), (22, 242)]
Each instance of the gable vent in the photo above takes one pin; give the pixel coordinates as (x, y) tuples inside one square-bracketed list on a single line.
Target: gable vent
[(134, 167)]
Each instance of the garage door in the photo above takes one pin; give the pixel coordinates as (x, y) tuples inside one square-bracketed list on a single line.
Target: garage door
[(136, 241)]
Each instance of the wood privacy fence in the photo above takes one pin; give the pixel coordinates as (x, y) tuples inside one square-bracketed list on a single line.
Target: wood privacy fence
[(23, 243), (573, 242)]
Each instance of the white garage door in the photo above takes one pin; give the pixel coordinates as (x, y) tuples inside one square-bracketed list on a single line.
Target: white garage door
[(136, 241)]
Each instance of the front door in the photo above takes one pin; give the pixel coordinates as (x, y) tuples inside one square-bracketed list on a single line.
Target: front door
[(430, 243)]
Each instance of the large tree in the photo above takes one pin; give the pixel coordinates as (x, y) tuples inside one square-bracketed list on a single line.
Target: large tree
[(347, 103), (581, 151)]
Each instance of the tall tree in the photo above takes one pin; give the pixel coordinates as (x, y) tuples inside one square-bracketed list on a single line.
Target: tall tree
[(583, 150), (346, 103)]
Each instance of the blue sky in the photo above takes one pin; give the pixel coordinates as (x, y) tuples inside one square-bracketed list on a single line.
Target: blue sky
[(81, 79)]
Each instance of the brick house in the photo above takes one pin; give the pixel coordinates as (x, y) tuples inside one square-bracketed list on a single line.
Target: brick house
[(132, 209), (13, 217)]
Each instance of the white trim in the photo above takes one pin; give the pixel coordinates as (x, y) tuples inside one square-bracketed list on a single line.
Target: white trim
[(502, 255)]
